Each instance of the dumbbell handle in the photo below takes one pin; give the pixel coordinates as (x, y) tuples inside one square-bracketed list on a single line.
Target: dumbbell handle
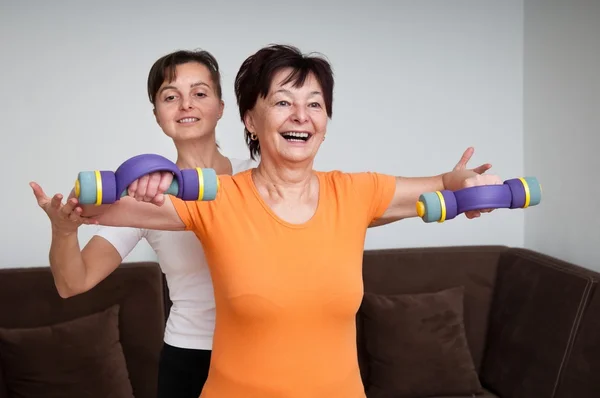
[(172, 190)]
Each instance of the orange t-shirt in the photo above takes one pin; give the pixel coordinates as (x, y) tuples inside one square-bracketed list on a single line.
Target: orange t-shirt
[(286, 294)]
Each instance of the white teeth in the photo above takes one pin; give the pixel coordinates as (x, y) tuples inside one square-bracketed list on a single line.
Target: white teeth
[(296, 134), (188, 120)]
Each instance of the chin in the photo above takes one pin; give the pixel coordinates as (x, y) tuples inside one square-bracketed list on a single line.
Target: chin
[(290, 156), (190, 135)]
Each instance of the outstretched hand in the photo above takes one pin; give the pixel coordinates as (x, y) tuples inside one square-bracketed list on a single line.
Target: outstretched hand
[(462, 163), (65, 218), (466, 178)]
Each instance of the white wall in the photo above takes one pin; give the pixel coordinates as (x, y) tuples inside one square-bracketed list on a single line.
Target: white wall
[(561, 126), (416, 84)]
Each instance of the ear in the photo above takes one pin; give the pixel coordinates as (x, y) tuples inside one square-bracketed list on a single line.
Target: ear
[(221, 109), (155, 116), (249, 122)]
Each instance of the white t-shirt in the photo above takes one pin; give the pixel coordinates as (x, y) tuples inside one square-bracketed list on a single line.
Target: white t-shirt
[(181, 257)]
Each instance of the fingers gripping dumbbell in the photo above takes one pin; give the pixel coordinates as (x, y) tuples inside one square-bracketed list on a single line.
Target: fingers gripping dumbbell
[(517, 193), (105, 187)]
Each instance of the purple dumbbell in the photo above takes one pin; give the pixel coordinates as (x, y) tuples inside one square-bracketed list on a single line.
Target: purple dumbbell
[(513, 194), (105, 187)]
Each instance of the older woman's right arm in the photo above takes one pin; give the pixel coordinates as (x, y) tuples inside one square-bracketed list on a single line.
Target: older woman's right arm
[(129, 212)]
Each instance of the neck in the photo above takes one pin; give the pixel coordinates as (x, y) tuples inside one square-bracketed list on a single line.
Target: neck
[(289, 181), (201, 152)]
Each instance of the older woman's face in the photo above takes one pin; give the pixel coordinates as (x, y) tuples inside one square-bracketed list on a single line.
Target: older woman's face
[(291, 121)]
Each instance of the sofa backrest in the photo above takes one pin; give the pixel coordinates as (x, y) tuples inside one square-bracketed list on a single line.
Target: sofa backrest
[(29, 299), (428, 270), (536, 319)]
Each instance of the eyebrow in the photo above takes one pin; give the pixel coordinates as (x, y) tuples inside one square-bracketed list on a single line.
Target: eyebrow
[(191, 86), (284, 91)]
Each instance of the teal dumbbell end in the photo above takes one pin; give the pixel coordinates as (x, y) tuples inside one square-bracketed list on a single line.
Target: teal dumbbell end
[(211, 184), (85, 187), (535, 191), (429, 207)]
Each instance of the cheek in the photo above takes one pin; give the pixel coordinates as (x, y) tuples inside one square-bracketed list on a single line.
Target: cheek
[(320, 121), (163, 114), (211, 110)]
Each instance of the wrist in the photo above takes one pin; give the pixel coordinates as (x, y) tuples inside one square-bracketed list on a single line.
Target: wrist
[(446, 179), (58, 233), (454, 180)]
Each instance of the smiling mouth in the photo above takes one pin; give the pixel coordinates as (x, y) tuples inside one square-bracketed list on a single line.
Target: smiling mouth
[(188, 120), (296, 136)]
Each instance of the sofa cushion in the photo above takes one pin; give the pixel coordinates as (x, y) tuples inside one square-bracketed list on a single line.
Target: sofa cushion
[(81, 357), (431, 269), (416, 345)]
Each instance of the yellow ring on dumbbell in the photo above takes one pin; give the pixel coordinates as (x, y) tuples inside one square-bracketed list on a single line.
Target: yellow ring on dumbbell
[(98, 187), (420, 209), (200, 183), (443, 206), (77, 188), (527, 193)]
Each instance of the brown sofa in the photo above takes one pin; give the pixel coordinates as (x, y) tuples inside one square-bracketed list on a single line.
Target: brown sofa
[(104, 343), (478, 321), (435, 322)]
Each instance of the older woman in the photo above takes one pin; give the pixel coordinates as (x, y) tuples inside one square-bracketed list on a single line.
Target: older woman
[(283, 241)]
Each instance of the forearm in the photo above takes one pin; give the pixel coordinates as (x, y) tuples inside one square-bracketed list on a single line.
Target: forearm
[(66, 263), (409, 189), (128, 212)]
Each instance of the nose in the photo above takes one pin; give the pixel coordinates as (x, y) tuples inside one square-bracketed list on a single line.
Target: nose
[(186, 103), (299, 114)]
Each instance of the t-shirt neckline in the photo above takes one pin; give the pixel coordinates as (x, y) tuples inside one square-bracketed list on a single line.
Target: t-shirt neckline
[(267, 208)]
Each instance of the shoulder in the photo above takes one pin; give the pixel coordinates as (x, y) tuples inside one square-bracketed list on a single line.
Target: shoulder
[(239, 165), (338, 177)]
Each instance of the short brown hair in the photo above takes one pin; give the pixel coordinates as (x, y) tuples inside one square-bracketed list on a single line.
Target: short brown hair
[(164, 69), (255, 75)]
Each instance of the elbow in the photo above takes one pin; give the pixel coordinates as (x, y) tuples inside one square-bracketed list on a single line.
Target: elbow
[(65, 291)]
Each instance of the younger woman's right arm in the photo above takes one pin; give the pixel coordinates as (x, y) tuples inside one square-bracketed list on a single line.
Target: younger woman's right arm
[(70, 264)]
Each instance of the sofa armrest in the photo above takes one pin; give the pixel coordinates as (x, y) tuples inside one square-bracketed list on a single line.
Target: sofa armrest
[(580, 374), (3, 391), (536, 311)]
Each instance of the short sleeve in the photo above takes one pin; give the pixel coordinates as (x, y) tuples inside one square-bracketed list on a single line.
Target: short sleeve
[(374, 192), (187, 212), (123, 239)]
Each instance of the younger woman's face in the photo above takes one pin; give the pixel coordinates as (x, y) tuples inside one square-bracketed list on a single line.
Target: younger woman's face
[(188, 108)]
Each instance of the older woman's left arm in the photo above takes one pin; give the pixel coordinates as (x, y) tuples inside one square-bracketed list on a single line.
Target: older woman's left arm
[(408, 189)]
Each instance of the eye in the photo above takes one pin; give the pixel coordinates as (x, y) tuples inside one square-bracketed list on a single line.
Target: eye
[(282, 103), (201, 95), (169, 98), (315, 105)]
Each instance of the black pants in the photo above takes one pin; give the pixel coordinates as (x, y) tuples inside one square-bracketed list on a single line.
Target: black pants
[(182, 372)]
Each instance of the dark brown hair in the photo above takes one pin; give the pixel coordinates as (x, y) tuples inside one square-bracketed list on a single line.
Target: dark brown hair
[(256, 73), (164, 69)]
